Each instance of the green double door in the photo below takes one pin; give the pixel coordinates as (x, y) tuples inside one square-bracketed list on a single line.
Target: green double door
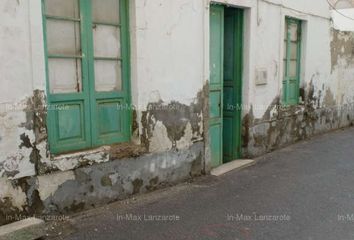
[(225, 89), (88, 73)]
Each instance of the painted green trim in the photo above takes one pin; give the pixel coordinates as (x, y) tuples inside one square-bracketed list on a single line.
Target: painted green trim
[(107, 24), (85, 48), (108, 58), (238, 77), (62, 97), (110, 95), (88, 98), (91, 74), (50, 117), (63, 56), (62, 18), (126, 66)]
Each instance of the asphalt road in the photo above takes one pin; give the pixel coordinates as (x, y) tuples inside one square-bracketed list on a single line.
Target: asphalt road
[(302, 192)]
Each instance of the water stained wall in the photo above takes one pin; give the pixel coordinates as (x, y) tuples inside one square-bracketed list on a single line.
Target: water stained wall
[(324, 106), (167, 142), (169, 85), (171, 149)]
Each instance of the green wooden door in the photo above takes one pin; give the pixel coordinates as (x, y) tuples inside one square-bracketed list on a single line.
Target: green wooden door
[(232, 84), (216, 83)]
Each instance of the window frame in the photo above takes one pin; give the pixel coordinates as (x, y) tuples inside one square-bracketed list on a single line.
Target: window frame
[(287, 80), (88, 96)]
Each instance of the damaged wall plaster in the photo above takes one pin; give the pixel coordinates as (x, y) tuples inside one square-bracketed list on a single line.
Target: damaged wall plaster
[(342, 48), (48, 185), (170, 125), (12, 201), (90, 186), (174, 125)]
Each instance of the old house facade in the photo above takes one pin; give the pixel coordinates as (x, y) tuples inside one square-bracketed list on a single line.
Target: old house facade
[(104, 99)]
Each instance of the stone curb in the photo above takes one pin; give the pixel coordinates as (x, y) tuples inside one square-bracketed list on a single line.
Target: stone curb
[(27, 229)]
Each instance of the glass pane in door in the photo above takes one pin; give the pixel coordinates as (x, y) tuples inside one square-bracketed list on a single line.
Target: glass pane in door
[(107, 45), (63, 46)]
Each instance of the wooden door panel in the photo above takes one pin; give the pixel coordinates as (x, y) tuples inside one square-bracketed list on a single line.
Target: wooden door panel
[(216, 83), (232, 84)]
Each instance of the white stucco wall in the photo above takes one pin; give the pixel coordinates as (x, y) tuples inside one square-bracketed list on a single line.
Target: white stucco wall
[(22, 71), (167, 63), (169, 48), (170, 57), (343, 19), (265, 21)]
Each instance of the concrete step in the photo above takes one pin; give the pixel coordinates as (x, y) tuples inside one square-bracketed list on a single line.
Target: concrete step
[(227, 167), (27, 229)]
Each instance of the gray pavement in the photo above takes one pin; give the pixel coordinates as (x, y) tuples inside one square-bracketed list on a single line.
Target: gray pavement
[(302, 192)]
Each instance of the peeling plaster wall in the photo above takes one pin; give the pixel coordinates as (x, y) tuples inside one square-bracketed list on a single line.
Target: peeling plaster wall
[(90, 186), (168, 95), (83, 188), (326, 86), (23, 136), (326, 83), (22, 79), (169, 79), (268, 41)]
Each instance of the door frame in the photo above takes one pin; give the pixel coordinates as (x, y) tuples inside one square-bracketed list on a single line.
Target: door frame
[(239, 48)]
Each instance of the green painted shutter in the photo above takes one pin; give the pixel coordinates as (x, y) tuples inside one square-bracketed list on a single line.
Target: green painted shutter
[(85, 109), (67, 76), (110, 100), (292, 58)]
